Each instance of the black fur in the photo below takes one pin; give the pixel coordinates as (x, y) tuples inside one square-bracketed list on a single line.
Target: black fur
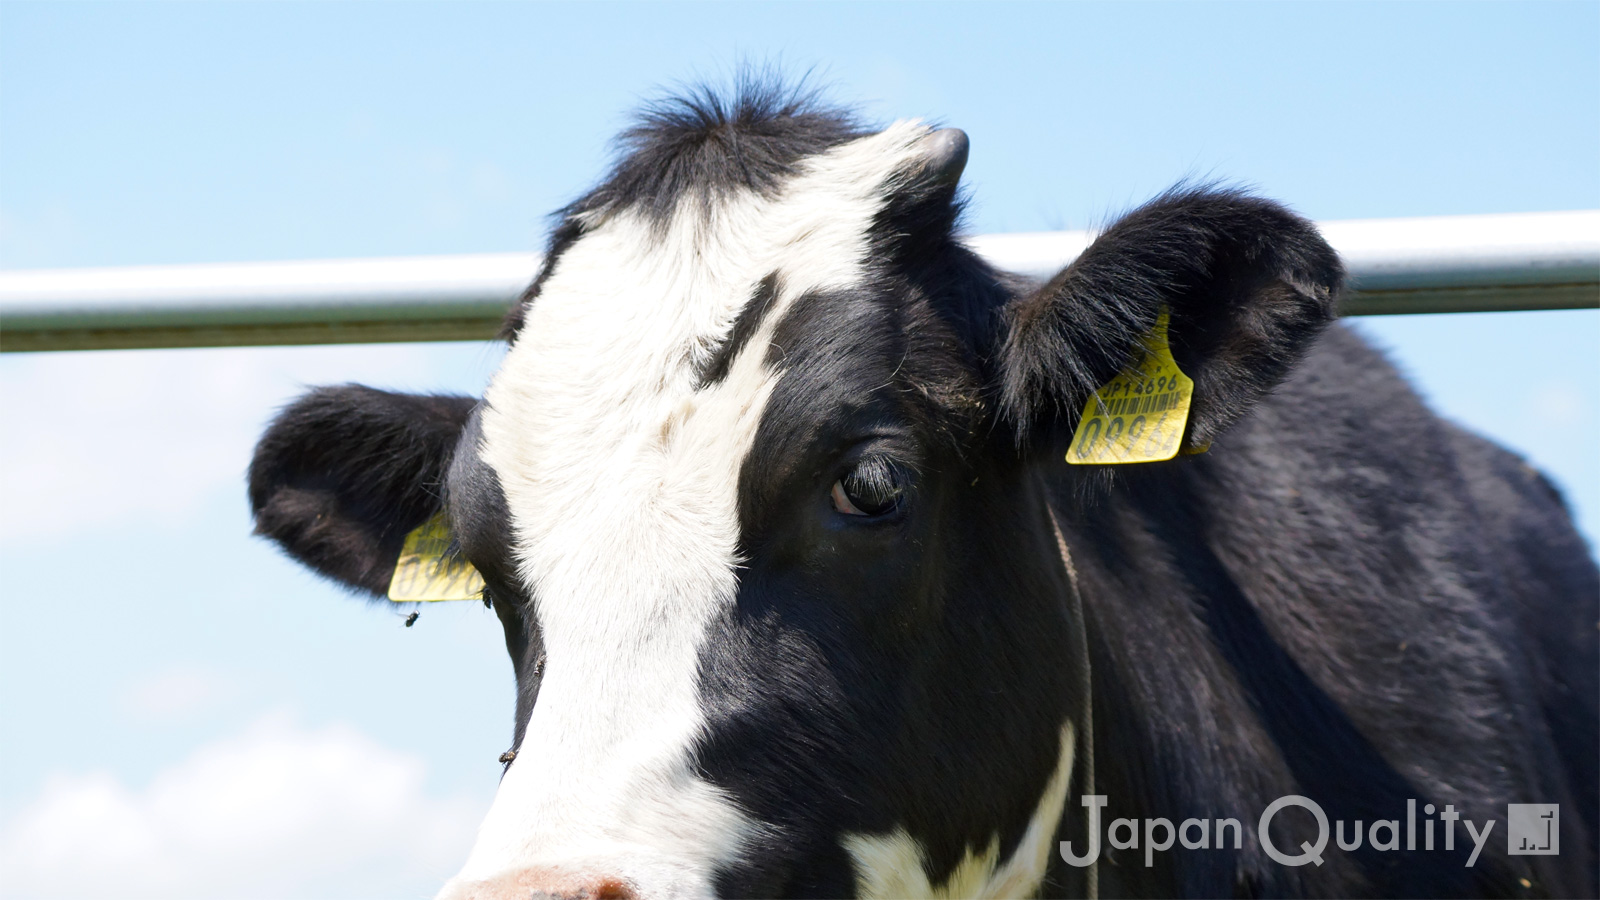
[(482, 525), (1338, 600), (703, 147), (744, 328), (1344, 598), (343, 474), (882, 674)]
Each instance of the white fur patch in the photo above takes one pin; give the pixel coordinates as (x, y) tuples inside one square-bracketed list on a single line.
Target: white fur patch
[(894, 865), (621, 482)]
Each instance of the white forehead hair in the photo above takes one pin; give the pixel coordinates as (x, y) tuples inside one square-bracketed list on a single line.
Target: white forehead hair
[(620, 477)]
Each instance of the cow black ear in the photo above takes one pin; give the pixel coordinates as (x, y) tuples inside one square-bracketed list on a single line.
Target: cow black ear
[(1249, 285), (345, 473)]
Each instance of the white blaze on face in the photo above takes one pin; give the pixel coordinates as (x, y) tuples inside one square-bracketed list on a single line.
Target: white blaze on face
[(621, 481)]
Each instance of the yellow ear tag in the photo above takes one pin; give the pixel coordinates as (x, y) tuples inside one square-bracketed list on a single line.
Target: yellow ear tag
[(427, 570), (1139, 415)]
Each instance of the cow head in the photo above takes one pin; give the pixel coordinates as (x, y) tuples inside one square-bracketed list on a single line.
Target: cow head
[(756, 497)]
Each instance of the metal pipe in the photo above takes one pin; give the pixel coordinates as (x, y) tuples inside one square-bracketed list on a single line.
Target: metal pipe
[(1518, 261)]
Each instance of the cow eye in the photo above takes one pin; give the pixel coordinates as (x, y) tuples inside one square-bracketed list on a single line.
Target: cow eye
[(874, 487)]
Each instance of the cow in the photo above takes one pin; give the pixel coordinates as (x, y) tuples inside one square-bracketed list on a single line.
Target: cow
[(805, 596)]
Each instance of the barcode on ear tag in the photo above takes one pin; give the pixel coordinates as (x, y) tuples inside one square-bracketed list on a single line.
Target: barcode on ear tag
[(1139, 415), (428, 571)]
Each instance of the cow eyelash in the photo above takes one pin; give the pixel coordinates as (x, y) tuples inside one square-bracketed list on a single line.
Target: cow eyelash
[(875, 487)]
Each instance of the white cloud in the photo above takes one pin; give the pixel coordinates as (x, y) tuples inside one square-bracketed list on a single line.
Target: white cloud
[(1560, 404), (275, 811), (173, 694), (135, 437)]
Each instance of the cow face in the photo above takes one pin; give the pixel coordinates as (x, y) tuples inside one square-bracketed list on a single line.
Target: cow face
[(729, 439), (781, 592)]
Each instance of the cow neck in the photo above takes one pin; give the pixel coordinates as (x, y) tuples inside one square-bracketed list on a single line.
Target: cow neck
[(1086, 703)]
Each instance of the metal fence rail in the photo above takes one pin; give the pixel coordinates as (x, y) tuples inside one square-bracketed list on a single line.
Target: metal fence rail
[(1446, 264)]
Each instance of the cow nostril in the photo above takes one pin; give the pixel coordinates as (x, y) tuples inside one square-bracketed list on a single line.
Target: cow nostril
[(612, 889)]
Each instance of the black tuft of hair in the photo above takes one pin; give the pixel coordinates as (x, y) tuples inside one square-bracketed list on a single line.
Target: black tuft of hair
[(712, 143), (705, 144)]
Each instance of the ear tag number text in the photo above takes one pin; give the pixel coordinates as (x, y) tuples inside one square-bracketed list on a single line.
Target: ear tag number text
[(1139, 415), (428, 571)]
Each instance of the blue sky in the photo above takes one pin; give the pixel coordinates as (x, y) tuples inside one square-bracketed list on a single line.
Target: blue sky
[(179, 704)]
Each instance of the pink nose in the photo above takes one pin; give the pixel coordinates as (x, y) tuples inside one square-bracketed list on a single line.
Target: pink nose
[(541, 884)]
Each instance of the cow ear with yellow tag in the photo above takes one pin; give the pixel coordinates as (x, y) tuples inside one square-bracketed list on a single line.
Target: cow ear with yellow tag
[(1169, 327), (347, 480)]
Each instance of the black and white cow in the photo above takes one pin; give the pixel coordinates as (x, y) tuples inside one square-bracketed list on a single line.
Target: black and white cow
[(802, 599)]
